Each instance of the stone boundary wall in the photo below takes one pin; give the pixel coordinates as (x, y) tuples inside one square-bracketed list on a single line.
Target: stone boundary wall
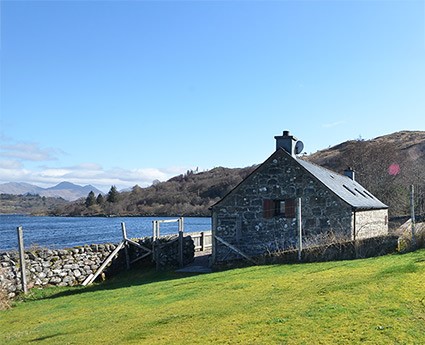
[(68, 267)]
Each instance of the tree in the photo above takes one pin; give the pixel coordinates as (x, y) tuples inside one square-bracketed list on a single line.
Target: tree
[(113, 195), (100, 200), (136, 190), (91, 199)]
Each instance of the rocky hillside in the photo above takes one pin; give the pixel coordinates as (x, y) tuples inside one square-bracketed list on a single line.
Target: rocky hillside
[(386, 165)]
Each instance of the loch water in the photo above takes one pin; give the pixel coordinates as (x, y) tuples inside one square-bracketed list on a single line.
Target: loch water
[(66, 232)]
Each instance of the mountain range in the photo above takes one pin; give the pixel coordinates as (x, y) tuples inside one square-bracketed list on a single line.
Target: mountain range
[(65, 190)]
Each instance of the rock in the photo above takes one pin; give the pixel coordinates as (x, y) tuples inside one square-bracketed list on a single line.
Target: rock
[(68, 280), (55, 280)]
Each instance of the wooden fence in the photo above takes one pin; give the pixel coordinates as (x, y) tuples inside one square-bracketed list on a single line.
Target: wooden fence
[(202, 240)]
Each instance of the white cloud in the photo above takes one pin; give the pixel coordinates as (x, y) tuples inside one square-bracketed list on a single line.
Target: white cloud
[(10, 164), (333, 124), (28, 152)]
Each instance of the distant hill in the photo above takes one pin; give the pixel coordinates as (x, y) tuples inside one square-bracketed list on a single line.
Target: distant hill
[(189, 194), (64, 190), (19, 188), (29, 204)]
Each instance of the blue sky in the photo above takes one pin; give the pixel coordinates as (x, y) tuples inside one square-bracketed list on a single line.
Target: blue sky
[(125, 92)]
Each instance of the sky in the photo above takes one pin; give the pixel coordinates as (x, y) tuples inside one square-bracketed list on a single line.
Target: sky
[(127, 92)]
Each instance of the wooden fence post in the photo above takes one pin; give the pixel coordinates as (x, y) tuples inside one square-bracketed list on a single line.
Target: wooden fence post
[(124, 238), (154, 231), (412, 214), (300, 230), (22, 259), (181, 242), (202, 241)]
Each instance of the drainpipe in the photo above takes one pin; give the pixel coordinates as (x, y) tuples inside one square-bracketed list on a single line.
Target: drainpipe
[(354, 225)]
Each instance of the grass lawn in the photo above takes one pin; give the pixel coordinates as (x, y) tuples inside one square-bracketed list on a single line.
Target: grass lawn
[(372, 301)]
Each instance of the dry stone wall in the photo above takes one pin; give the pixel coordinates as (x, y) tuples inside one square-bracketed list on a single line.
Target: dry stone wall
[(68, 267)]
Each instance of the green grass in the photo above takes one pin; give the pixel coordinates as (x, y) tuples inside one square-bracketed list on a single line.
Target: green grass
[(373, 301)]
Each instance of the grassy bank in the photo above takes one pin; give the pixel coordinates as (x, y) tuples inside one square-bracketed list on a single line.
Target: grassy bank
[(372, 301)]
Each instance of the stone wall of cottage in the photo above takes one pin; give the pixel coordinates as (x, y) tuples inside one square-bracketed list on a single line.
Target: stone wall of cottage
[(238, 218), (371, 223), (67, 267)]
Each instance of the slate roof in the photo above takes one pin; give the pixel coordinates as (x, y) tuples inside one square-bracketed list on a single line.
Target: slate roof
[(345, 188)]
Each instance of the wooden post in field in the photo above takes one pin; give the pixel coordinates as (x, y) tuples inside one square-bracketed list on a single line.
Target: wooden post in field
[(155, 247), (22, 259), (154, 225), (300, 232), (124, 238), (202, 241), (412, 214), (180, 241)]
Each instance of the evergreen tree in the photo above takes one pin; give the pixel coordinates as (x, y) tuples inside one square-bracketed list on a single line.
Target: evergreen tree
[(100, 200), (112, 195), (91, 199)]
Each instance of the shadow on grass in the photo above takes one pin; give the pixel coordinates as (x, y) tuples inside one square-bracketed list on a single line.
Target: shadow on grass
[(133, 277), (46, 337)]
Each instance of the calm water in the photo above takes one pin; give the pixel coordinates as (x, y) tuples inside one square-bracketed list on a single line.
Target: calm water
[(64, 232)]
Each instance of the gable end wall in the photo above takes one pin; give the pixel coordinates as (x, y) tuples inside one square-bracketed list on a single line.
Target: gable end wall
[(238, 218), (371, 223)]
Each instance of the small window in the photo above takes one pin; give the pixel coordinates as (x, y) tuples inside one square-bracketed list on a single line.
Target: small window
[(347, 188), (364, 196), (279, 208), (370, 196)]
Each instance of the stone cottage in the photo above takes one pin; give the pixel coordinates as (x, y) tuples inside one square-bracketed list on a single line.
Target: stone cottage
[(260, 214)]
